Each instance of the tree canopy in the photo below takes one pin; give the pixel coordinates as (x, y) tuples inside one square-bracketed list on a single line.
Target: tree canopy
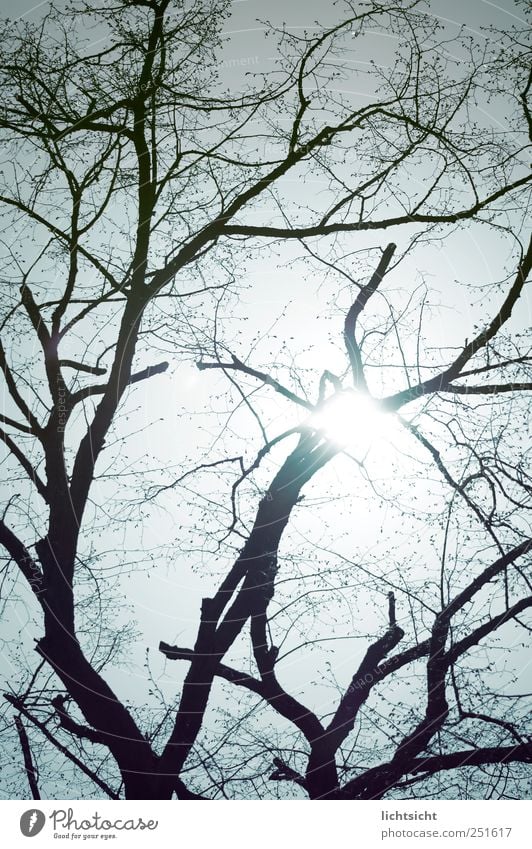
[(264, 343)]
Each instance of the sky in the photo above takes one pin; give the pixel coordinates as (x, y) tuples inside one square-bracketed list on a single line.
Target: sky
[(170, 427)]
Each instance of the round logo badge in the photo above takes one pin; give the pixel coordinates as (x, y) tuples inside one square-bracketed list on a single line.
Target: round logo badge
[(32, 822)]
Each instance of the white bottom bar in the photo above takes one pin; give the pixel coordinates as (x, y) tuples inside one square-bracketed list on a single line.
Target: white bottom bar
[(263, 825)]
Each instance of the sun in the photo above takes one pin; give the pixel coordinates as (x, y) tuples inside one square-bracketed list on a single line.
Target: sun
[(353, 420)]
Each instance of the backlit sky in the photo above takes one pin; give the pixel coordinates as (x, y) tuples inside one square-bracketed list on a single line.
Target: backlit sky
[(283, 306)]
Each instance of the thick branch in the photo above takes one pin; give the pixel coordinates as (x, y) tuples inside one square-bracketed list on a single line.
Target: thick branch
[(372, 784), (487, 389), (443, 380), (82, 367), (353, 314), (29, 766), (63, 237), (343, 720), (25, 463), (73, 727), (437, 708), (101, 388), (322, 778), (17, 425), (278, 699), (473, 757), (64, 751), (20, 554), (101, 708), (15, 394), (359, 226), (461, 646), (283, 772), (485, 576), (257, 566), (238, 365)]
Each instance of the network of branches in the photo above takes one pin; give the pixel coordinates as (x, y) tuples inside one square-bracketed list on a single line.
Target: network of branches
[(263, 340)]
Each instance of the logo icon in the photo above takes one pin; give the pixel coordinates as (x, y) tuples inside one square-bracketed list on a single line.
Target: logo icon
[(32, 822)]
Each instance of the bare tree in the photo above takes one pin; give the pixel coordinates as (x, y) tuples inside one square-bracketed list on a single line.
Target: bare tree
[(136, 187)]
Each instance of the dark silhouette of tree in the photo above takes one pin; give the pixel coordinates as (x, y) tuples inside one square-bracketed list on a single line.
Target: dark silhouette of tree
[(136, 186)]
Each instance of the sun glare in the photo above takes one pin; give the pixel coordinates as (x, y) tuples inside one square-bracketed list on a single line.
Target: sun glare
[(353, 421)]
